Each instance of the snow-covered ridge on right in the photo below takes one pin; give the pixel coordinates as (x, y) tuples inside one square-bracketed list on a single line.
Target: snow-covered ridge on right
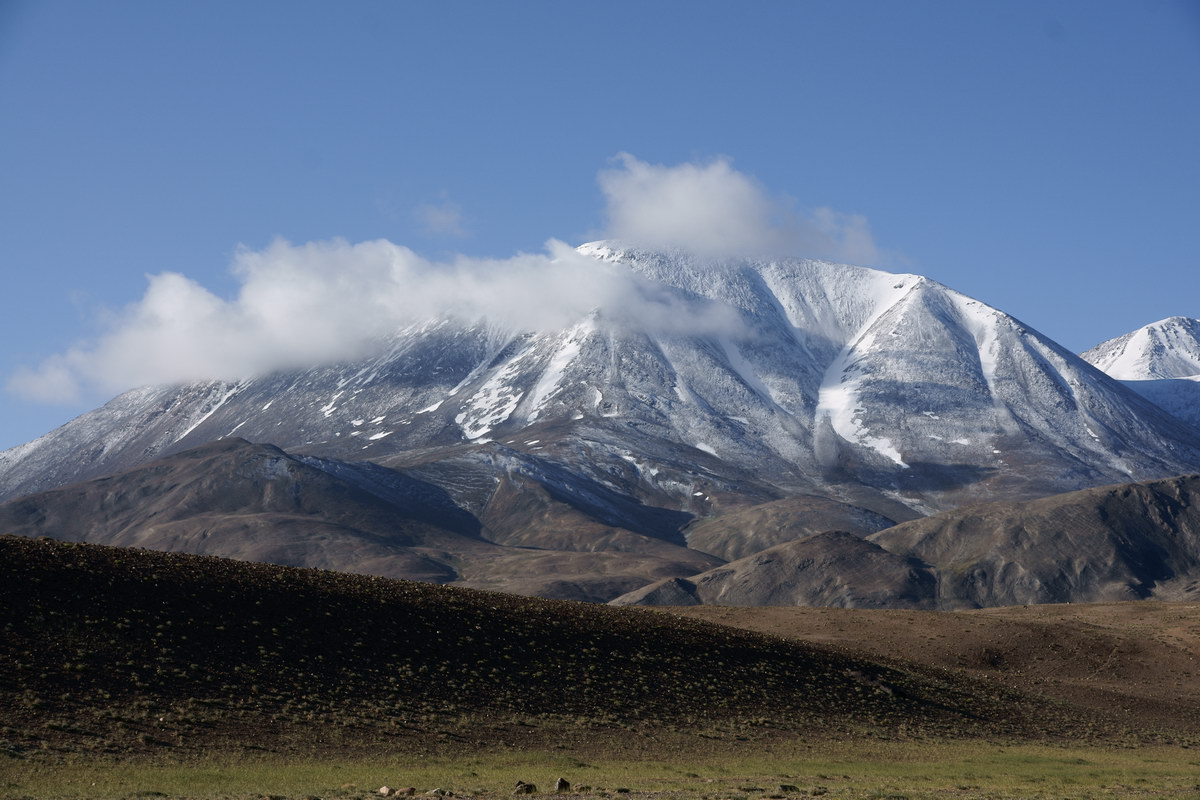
[(1160, 361), (1169, 348)]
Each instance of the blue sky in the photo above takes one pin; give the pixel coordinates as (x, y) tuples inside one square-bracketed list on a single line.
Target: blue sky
[(1041, 156)]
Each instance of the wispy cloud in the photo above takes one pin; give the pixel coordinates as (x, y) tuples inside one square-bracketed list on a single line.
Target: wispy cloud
[(442, 218)]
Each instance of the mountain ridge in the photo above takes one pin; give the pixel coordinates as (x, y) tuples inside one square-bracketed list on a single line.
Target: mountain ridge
[(257, 503), (833, 377)]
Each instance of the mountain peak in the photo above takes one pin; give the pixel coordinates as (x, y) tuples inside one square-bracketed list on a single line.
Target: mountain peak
[(1169, 348)]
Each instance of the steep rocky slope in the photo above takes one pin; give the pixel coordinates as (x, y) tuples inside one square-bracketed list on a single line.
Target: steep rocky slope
[(1125, 542)]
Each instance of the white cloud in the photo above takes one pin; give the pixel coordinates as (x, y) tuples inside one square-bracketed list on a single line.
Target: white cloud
[(442, 218), (301, 305), (709, 208), (712, 209)]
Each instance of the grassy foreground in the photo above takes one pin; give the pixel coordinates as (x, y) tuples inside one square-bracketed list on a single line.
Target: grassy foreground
[(881, 771)]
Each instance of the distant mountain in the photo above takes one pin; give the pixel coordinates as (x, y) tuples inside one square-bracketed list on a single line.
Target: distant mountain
[(742, 531), (1160, 361), (1169, 348), (1125, 542)]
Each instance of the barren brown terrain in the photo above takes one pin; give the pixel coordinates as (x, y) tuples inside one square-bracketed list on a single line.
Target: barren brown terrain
[(123, 653), (1138, 660), (132, 673)]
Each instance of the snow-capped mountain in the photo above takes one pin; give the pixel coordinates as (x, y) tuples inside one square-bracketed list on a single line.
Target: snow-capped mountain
[(1160, 361), (1169, 348), (891, 393)]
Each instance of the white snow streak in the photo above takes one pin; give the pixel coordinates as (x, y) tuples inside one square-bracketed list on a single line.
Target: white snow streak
[(548, 385), (838, 399)]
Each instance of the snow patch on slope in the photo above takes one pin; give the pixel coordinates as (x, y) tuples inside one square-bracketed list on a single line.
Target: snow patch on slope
[(981, 321), (839, 398), (548, 384), (209, 411), (496, 400)]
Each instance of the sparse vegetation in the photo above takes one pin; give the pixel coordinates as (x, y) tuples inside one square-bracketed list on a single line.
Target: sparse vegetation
[(1134, 662), (130, 672), (120, 652), (835, 770)]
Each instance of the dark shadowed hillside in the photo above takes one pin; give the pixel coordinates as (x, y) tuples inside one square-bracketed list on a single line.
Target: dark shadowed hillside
[(257, 503), (122, 651)]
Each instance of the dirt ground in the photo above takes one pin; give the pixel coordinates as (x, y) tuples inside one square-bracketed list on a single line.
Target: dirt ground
[(1138, 660)]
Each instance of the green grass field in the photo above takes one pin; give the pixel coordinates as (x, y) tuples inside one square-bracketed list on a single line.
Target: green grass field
[(890, 771)]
